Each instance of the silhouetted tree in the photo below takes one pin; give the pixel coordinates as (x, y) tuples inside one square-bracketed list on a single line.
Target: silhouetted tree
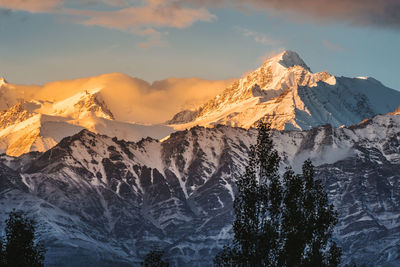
[(308, 221), (20, 248), (155, 259), (279, 222), (2, 260)]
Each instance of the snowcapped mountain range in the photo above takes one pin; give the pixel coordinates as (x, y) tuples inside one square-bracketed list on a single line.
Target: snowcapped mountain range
[(105, 202), (104, 193), (285, 91), (39, 125), (113, 104)]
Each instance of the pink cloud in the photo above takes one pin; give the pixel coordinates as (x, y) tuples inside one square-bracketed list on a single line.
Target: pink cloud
[(383, 13), (181, 13), (156, 13), (125, 15), (33, 6)]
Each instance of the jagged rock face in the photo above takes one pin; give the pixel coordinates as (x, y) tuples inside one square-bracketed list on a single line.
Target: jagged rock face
[(114, 199), (14, 115), (83, 105), (283, 90), (40, 125), (183, 117), (368, 206), (290, 96)]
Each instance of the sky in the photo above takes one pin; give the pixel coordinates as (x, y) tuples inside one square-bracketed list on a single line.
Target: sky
[(48, 40)]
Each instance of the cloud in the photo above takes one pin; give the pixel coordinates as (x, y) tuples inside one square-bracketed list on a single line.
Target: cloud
[(154, 38), (115, 2), (257, 36), (33, 6), (154, 13), (359, 12), (132, 99), (332, 46), (128, 14), (144, 19), (125, 15), (380, 13)]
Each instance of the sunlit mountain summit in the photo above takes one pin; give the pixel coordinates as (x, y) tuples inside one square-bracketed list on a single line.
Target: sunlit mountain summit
[(286, 92)]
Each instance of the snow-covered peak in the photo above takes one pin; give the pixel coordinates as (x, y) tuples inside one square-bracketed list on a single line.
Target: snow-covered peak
[(38, 125), (290, 96), (287, 59), (82, 105)]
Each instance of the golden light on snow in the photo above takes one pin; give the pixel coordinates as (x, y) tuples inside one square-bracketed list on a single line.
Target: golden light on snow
[(130, 99)]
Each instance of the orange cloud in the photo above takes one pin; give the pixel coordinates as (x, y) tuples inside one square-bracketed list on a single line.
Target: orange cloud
[(33, 6), (144, 19), (123, 15), (181, 13), (157, 13), (131, 99), (152, 13)]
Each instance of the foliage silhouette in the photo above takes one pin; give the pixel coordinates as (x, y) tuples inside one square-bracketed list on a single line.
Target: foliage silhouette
[(280, 221), (19, 247), (155, 259)]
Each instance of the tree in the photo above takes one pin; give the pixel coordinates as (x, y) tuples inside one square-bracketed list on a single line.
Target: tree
[(20, 248), (280, 221), (308, 221), (155, 259), (2, 260)]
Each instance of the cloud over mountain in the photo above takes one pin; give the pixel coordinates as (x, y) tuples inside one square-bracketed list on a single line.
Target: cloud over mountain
[(130, 99)]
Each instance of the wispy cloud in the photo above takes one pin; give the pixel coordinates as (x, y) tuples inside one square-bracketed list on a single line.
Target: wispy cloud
[(140, 18), (154, 38), (182, 13), (33, 6), (384, 13), (379, 13), (155, 13), (259, 37)]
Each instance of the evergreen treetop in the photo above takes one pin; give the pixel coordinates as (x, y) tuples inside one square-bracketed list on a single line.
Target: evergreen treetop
[(20, 247), (280, 221)]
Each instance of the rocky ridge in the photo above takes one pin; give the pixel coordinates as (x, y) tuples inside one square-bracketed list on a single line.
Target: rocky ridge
[(290, 96), (115, 199)]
